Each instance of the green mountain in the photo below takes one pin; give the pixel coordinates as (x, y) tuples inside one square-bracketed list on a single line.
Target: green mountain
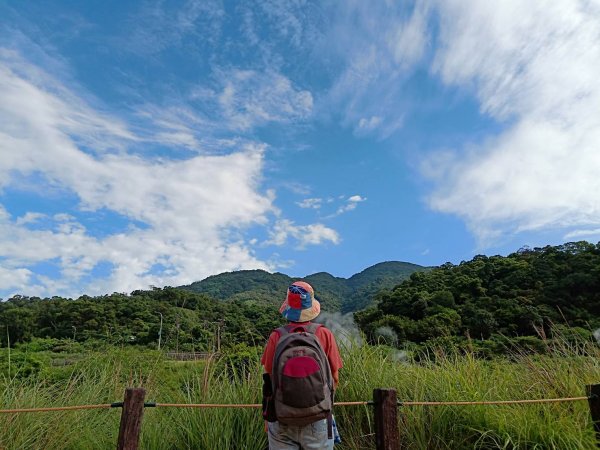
[(380, 277), (185, 320), (529, 293), (335, 293), (235, 308), (487, 305)]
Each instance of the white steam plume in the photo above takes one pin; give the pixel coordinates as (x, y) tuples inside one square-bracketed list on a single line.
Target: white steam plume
[(343, 328)]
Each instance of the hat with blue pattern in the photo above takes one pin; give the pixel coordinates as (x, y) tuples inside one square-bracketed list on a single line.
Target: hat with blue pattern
[(300, 304)]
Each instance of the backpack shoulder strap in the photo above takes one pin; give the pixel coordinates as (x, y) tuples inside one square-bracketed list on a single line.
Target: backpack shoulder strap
[(289, 328), (313, 327), (281, 331)]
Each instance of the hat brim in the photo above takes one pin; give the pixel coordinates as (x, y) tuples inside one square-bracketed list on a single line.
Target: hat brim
[(300, 315)]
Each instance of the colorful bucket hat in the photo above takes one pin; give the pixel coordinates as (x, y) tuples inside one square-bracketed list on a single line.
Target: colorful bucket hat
[(300, 304)]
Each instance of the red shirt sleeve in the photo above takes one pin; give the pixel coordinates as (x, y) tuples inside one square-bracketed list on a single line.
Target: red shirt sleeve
[(331, 350), (267, 357)]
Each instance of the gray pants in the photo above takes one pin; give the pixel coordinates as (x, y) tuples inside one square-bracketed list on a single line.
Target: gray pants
[(293, 437)]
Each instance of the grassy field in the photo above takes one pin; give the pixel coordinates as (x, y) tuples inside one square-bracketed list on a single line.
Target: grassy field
[(101, 377)]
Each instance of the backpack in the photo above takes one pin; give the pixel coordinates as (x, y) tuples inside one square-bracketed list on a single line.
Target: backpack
[(302, 380)]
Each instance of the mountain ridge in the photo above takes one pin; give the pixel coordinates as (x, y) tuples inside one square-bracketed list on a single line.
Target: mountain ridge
[(337, 294)]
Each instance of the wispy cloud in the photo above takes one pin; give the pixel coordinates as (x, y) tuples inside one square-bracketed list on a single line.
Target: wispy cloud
[(378, 46), (188, 206), (313, 203), (29, 218), (215, 115), (369, 124), (317, 203), (155, 27), (303, 235), (249, 99), (534, 66), (15, 278), (350, 205), (577, 234)]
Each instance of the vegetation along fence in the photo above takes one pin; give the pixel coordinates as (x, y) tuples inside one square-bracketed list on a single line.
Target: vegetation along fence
[(384, 401)]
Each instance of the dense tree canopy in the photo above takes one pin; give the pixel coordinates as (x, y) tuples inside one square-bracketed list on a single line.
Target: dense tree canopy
[(335, 293), (234, 308), (190, 320), (517, 298), (523, 294)]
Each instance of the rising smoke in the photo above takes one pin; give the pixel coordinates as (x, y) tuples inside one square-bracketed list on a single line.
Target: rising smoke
[(347, 334), (386, 336), (344, 329)]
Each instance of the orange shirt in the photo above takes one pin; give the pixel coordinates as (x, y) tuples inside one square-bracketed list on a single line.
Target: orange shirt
[(327, 341)]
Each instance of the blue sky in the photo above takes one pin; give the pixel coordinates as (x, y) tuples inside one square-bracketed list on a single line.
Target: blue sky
[(160, 142)]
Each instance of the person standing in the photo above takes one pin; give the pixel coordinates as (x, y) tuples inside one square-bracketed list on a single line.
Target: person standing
[(301, 363)]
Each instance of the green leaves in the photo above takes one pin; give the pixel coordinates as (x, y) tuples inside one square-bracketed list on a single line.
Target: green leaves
[(191, 321), (522, 295)]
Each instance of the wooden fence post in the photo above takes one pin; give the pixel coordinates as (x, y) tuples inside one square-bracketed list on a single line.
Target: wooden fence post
[(593, 393), (131, 419), (387, 436)]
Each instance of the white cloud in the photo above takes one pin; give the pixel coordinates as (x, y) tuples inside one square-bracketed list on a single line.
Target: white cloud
[(350, 205), (409, 39), (14, 278), (369, 124), (176, 125), (576, 234), (345, 208), (534, 66), (30, 217), (317, 233), (314, 203), (304, 235), (250, 98), (189, 208), (356, 199), (155, 28), (377, 45)]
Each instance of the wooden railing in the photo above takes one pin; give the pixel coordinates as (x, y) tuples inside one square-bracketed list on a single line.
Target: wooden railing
[(384, 401)]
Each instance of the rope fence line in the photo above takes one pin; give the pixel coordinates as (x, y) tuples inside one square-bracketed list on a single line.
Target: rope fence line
[(496, 402), (400, 403), (258, 405), (385, 410), (56, 408), (207, 405)]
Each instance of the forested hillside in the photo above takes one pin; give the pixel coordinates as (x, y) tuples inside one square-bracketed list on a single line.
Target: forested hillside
[(366, 284), (191, 321), (335, 293), (487, 302), (491, 298), (222, 310), (267, 288)]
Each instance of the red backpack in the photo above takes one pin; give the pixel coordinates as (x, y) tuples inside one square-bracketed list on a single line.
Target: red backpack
[(302, 380)]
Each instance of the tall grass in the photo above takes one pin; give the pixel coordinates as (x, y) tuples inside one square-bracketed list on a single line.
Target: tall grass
[(102, 378)]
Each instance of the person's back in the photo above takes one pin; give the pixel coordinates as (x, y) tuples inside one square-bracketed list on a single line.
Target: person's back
[(305, 369)]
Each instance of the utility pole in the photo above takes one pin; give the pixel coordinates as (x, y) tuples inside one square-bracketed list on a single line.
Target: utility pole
[(219, 324), (8, 344), (160, 330), (177, 335), (219, 337)]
